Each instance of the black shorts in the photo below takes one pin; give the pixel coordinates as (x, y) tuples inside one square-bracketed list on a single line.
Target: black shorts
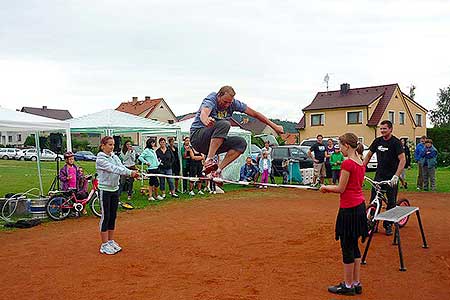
[(195, 168), (201, 138), (153, 181)]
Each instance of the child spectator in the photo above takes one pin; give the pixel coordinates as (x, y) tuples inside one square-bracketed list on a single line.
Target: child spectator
[(429, 161), (402, 177), (128, 158), (351, 221), (265, 166), (336, 160), (71, 177), (248, 172)]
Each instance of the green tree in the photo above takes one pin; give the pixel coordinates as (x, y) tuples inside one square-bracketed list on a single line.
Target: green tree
[(441, 116), (29, 142)]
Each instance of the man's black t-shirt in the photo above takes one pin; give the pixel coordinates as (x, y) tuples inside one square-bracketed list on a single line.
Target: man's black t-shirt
[(387, 156), (319, 151)]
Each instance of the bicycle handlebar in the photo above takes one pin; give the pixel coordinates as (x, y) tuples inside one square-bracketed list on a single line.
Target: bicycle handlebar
[(377, 183)]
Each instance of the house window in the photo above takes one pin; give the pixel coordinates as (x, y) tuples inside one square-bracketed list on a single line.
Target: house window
[(391, 116), (419, 120), (418, 140), (401, 118), (354, 117), (9, 138), (317, 119), (19, 137)]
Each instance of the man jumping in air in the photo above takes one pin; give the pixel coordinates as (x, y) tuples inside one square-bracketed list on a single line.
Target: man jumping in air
[(209, 131)]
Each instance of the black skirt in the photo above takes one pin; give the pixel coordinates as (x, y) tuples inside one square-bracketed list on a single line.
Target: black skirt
[(352, 223)]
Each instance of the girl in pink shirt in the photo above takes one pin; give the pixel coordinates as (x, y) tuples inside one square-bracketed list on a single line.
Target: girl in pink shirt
[(351, 221)]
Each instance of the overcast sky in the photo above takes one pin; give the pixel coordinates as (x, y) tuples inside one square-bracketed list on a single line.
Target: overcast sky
[(85, 56)]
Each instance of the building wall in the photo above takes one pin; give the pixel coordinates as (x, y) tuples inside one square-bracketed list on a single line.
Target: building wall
[(162, 113), (13, 138), (336, 125), (398, 104), (336, 121)]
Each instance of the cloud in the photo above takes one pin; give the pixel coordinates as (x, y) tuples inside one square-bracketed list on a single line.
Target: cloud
[(90, 55)]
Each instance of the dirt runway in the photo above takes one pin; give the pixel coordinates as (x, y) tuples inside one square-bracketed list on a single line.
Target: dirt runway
[(241, 245)]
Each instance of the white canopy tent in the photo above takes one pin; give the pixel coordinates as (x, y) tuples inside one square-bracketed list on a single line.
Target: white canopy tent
[(111, 122), (15, 121), (231, 172)]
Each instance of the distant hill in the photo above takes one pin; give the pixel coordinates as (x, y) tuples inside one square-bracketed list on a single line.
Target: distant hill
[(288, 126)]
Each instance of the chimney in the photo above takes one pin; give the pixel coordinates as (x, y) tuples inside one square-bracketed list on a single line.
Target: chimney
[(147, 98), (135, 100), (345, 87)]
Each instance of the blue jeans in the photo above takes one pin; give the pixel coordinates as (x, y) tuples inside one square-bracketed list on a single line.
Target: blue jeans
[(162, 180)]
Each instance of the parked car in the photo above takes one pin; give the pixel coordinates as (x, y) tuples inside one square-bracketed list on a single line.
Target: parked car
[(8, 153), (292, 152), (84, 155), (46, 154), (372, 164), (21, 153), (312, 141), (255, 152)]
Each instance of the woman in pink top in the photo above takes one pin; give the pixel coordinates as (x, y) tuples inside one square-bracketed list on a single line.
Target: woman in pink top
[(351, 221)]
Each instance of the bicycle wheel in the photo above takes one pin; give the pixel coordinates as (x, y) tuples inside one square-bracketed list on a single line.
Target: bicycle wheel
[(403, 202), (371, 211), (95, 205), (58, 208)]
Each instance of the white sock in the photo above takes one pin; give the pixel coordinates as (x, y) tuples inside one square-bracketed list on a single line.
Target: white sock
[(348, 286), (356, 283)]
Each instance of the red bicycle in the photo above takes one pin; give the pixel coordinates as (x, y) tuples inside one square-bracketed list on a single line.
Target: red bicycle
[(62, 203)]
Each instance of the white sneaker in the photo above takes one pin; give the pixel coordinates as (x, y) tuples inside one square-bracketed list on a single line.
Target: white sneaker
[(214, 192), (159, 197), (192, 193), (175, 195), (115, 246), (106, 248), (265, 186), (260, 186), (152, 199), (200, 193)]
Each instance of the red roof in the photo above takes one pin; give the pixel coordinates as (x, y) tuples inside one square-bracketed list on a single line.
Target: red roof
[(354, 97), (301, 124), (290, 138), (138, 107)]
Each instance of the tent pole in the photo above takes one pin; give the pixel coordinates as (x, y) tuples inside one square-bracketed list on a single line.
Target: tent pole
[(68, 140), (38, 160)]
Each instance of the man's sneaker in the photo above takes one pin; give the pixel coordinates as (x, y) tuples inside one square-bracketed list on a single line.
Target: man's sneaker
[(159, 198), (341, 289), (358, 288), (209, 166), (200, 192), (106, 248), (388, 230), (164, 195), (174, 195), (115, 246), (192, 193), (151, 199)]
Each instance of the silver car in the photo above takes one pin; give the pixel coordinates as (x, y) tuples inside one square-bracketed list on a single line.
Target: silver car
[(46, 154), (8, 153)]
